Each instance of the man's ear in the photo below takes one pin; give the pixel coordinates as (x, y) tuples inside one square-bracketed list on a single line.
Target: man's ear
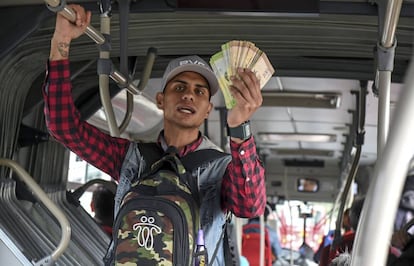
[(160, 100), (210, 107)]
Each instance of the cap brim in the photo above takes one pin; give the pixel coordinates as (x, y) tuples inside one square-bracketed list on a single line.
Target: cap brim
[(207, 74)]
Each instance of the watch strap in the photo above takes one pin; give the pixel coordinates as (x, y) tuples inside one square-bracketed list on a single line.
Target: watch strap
[(242, 131)]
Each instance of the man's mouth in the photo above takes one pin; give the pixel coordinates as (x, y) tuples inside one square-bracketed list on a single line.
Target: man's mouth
[(186, 109)]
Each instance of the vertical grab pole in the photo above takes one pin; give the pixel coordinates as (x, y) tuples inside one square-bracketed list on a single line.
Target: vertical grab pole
[(262, 240), (371, 247), (385, 56)]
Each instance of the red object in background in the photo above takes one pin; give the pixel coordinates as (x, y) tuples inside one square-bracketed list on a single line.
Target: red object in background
[(251, 246)]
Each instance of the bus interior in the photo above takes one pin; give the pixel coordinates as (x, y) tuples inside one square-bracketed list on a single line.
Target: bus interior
[(336, 119)]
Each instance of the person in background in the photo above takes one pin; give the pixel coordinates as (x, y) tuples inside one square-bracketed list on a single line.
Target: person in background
[(405, 210), (346, 221), (402, 241), (347, 241), (102, 204), (273, 237), (327, 240), (234, 183)]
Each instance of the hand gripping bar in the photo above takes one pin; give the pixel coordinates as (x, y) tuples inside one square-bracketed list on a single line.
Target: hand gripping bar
[(96, 36)]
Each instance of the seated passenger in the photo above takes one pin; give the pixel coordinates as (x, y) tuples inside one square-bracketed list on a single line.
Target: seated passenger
[(102, 204), (402, 249), (402, 241), (406, 208), (347, 241), (327, 240)]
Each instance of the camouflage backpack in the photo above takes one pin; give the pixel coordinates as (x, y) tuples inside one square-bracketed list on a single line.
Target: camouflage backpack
[(158, 219)]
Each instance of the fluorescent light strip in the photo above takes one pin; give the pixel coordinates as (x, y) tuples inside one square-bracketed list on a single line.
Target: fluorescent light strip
[(304, 152), (274, 137), (285, 98)]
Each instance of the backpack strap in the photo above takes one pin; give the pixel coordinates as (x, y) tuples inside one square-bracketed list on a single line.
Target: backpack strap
[(231, 256), (196, 158), (152, 153), (231, 253)]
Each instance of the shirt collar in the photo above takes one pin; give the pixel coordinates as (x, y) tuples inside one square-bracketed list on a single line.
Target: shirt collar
[(187, 148)]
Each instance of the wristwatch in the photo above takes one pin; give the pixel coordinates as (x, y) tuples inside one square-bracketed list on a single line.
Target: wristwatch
[(242, 131)]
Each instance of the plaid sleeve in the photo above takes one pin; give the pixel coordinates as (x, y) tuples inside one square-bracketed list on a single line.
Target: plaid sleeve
[(243, 188), (64, 124)]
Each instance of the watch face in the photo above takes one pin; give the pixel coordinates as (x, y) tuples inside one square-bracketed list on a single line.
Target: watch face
[(247, 130)]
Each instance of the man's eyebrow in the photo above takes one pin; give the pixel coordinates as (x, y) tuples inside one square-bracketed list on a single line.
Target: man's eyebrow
[(179, 81), (206, 86)]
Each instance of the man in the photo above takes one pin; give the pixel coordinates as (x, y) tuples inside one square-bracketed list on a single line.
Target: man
[(233, 183)]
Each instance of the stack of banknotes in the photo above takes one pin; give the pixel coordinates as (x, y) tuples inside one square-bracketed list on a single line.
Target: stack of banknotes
[(239, 54)]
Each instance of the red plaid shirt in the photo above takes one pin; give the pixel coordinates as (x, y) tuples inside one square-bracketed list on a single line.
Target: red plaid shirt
[(243, 186)]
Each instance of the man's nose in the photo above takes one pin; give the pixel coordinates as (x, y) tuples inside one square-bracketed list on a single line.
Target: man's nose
[(188, 95)]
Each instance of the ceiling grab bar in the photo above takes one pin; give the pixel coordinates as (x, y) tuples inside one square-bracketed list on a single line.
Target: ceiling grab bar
[(97, 37), (145, 76), (375, 228), (105, 66), (359, 141), (104, 83), (123, 55), (53, 208)]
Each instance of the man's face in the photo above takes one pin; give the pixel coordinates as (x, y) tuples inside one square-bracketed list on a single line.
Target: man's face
[(185, 100)]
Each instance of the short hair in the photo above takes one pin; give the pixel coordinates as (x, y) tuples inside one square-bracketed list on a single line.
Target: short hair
[(346, 212), (355, 211), (103, 200)]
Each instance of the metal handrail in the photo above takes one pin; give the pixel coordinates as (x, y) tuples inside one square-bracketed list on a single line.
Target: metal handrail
[(392, 15), (53, 208), (359, 141), (98, 38), (380, 207), (80, 190), (375, 225), (385, 47)]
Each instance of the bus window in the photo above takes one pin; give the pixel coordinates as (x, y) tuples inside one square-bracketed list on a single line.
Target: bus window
[(81, 172), (301, 223), (307, 185)]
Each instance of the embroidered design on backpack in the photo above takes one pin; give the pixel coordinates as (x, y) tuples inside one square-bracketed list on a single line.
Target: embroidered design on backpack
[(145, 232)]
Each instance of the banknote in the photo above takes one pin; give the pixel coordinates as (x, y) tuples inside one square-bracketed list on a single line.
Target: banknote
[(239, 54)]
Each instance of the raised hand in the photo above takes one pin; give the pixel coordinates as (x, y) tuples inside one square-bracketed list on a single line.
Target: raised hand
[(66, 31), (245, 89)]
